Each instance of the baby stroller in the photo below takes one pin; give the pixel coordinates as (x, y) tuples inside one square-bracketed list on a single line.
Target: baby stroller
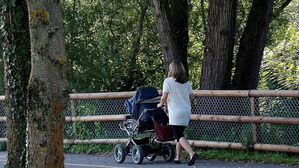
[(145, 120)]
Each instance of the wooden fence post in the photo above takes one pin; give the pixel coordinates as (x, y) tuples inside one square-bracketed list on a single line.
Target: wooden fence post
[(73, 116), (256, 127), (254, 134)]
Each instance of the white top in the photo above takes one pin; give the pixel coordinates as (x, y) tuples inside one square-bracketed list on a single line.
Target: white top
[(178, 101)]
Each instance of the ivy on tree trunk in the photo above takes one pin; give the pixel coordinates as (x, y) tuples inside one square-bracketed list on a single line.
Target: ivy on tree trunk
[(16, 56)]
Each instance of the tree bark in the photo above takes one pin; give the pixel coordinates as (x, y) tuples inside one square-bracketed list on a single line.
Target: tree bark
[(16, 56), (172, 25), (217, 62), (252, 45), (47, 85)]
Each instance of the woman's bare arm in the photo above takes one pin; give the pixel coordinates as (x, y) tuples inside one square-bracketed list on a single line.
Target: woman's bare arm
[(191, 97), (163, 99)]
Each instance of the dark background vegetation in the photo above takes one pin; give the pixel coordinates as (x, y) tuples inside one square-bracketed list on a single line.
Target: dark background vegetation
[(100, 43)]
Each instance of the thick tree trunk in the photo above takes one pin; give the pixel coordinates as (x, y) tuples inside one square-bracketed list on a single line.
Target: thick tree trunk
[(217, 62), (252, 45), (47, 86), (16, 56), (172, 25)]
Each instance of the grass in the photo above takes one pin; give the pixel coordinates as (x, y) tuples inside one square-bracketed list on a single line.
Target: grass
[(89, 148), (248, 155)]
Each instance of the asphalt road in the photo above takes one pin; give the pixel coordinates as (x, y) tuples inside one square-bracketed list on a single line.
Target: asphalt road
[(107, 161)]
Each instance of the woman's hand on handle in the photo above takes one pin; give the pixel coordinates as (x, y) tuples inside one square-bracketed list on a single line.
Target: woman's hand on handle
[(191, 97)]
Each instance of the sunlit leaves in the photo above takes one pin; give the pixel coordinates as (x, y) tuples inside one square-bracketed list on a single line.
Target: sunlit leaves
[(279, 69)]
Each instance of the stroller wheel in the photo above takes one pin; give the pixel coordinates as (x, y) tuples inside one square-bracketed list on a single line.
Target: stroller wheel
[(169, 152), (151, 157), (119, 153), (137, 154)]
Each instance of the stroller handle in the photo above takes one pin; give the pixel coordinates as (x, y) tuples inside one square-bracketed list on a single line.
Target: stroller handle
[(149, 110), (153, 100), (153, 109)]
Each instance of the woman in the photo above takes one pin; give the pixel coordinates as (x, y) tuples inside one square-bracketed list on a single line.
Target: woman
[(177, 92)]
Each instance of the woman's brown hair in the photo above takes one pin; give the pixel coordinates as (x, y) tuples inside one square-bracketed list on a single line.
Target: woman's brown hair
[(177, 70)]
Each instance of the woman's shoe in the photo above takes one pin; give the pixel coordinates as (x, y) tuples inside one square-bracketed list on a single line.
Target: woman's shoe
[(193, 159), (177, 161)]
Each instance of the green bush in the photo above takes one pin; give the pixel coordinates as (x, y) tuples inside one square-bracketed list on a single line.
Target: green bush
[(3, 146)]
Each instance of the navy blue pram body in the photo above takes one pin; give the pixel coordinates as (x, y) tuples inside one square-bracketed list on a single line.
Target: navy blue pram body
[(137, 104)]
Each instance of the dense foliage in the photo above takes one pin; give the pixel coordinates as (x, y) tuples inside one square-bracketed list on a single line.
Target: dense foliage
[(100, 38), (1, 66), (99, 44), (280, 68), (1, 71)]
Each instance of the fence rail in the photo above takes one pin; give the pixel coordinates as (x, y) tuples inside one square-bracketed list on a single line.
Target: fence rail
[(199, 93), (261, 120), (194, 117)]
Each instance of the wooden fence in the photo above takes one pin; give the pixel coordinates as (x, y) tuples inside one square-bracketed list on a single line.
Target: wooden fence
[(252, 94)]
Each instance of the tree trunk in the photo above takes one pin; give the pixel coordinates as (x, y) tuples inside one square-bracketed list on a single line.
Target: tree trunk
[(47, 85), (217, 62), (16, 56), (252, 45), (172, 25)]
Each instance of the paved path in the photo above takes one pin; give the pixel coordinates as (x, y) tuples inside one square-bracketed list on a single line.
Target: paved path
[(107, 161)]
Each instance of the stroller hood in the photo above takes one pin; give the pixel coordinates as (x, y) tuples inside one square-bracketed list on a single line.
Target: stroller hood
[(135, 107), (140, 95)]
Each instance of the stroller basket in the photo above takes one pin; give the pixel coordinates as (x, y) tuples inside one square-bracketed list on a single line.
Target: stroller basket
[(163, 132)]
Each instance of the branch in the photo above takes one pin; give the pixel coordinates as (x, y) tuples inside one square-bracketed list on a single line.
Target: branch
[(281, 8)]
